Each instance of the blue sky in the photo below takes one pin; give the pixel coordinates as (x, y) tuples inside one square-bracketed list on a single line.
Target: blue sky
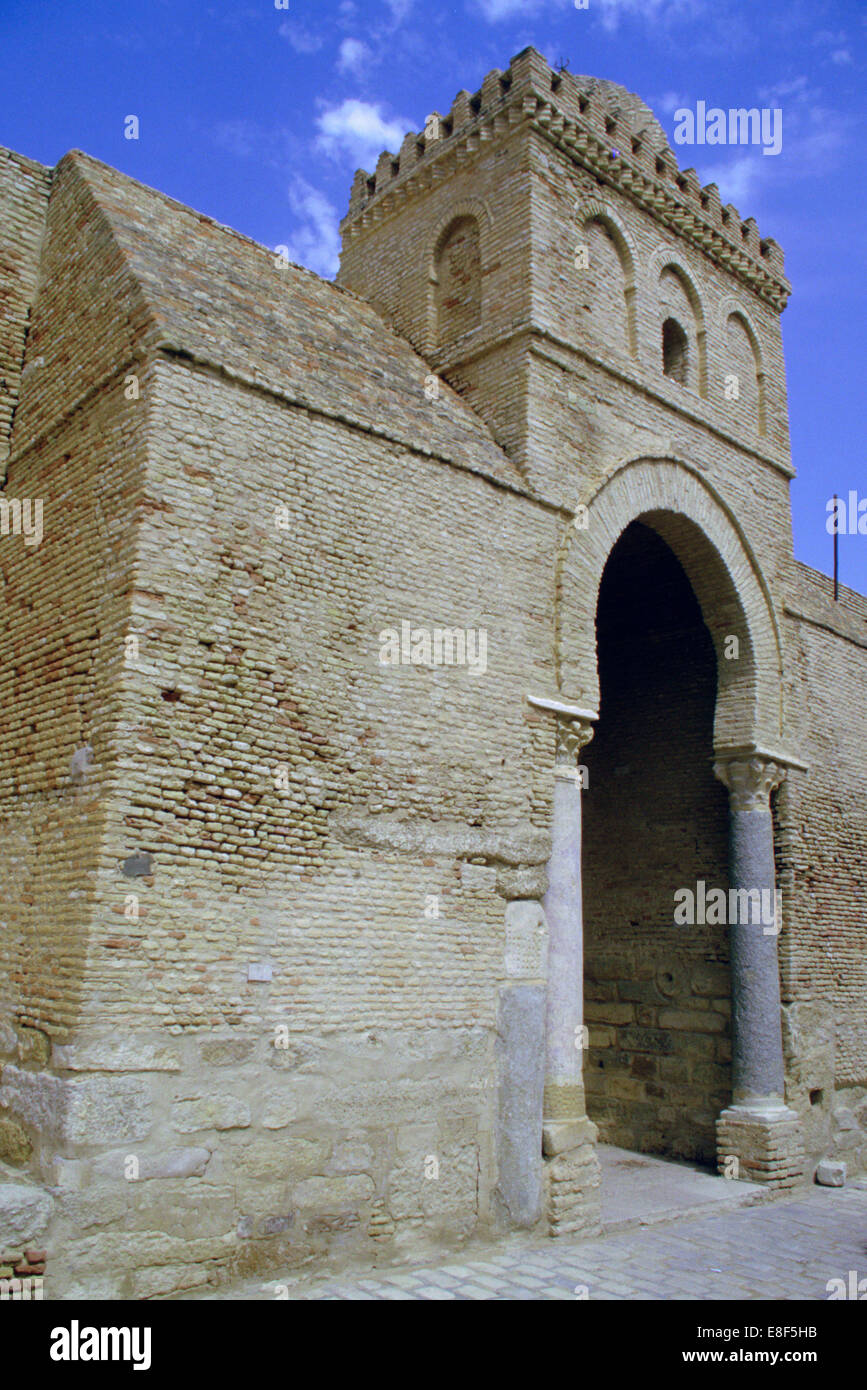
[(259, 115)]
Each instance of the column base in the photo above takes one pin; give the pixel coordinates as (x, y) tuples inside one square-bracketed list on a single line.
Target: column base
[(559, 1136), (761, 1142), (573, 1192)]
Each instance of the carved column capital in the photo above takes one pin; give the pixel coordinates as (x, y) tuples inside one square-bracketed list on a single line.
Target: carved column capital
[(750, 780), (573, 735), (575, 728)]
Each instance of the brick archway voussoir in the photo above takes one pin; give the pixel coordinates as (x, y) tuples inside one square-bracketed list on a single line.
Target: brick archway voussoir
[(691, 517)]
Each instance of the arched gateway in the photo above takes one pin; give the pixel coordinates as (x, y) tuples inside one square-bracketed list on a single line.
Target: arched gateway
[(679, 533)]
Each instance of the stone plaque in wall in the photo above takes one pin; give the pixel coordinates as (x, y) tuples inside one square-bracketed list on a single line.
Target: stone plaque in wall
[(526, 941)]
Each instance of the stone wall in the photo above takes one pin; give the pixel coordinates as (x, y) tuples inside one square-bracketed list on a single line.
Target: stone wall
[(821, 845), (328, 953)]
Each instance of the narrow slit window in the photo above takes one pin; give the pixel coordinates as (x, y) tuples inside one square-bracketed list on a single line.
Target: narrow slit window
[(675, 351)]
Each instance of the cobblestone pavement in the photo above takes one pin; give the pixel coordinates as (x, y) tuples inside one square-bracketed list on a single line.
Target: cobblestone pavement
[(785, 1249)]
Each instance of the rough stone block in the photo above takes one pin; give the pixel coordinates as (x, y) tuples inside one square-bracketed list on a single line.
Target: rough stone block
[(574, 1183), (96, 1206), (34, 1046), (351, 1156), (67, 1174), (210, 1112), (15, 1146), (181, 1207), (25, 1211), (227, 1052), (34, 1098), (444, 1197), (527, 883), (170, 1163), (561, 1136), (91, 1110), (116, 1251), (768, 1146), (169, 1279), (271, 1159), (117, 1054), (831, 1173), (333, 1195), (105, 1110)]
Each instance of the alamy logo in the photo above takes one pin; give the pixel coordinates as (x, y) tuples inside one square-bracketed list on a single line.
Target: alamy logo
[(76, 1343), (21, 1289), (439, 646), (739, 126), (21, 517), (846, 520), (855, 1288), (739, 907)]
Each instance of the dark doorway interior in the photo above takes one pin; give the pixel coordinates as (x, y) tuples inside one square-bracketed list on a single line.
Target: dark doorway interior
[(655, 820)]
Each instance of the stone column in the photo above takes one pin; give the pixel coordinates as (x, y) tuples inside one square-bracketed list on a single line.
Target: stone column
[(758, 1137), (568, 1137)]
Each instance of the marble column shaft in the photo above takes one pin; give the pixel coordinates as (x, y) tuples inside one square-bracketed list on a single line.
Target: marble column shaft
[(757, 1043), (564, 1088)]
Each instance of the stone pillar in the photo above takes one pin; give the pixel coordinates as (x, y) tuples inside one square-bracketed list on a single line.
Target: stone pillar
[(521, 1066), (568, 1138), (758, 1137)]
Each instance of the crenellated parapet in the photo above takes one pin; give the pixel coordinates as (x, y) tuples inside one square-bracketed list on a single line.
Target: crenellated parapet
[(604, 129)]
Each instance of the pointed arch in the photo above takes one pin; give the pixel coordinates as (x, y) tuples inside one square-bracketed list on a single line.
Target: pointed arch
[(678, 503)]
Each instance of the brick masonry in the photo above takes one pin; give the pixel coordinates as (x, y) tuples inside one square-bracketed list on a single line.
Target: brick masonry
[(254, 928)]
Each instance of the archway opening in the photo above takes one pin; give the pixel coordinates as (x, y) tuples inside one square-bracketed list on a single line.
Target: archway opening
[(657, 994), (675, 351)]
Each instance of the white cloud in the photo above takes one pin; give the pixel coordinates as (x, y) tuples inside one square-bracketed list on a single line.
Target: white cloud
[(835, 37), (670, 102), (737, 181), (242, 138), (813, 132), (302, 40), (814, 138), (358, 128), (841, 56), (496, 10), (274, 147), (316, 239), (798, 88), (652, 10), (610, 12), (353, 56)]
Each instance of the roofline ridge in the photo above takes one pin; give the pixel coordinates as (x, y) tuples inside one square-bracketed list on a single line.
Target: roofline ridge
[(76, 156)]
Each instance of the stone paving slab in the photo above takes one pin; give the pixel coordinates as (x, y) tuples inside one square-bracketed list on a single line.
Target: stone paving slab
[(639, 1189), (788, 1249)]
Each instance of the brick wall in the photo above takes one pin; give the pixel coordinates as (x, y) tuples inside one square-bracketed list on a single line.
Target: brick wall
[(24, 189), (64, 606), (822, 845)]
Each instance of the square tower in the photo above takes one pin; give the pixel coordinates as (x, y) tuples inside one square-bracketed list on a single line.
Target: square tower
[(540, 247)]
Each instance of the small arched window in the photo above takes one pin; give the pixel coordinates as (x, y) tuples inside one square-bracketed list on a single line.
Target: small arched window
[(675, 351), (458, 276)]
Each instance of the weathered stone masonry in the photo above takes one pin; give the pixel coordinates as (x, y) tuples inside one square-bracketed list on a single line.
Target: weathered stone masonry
[(292, 943)]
